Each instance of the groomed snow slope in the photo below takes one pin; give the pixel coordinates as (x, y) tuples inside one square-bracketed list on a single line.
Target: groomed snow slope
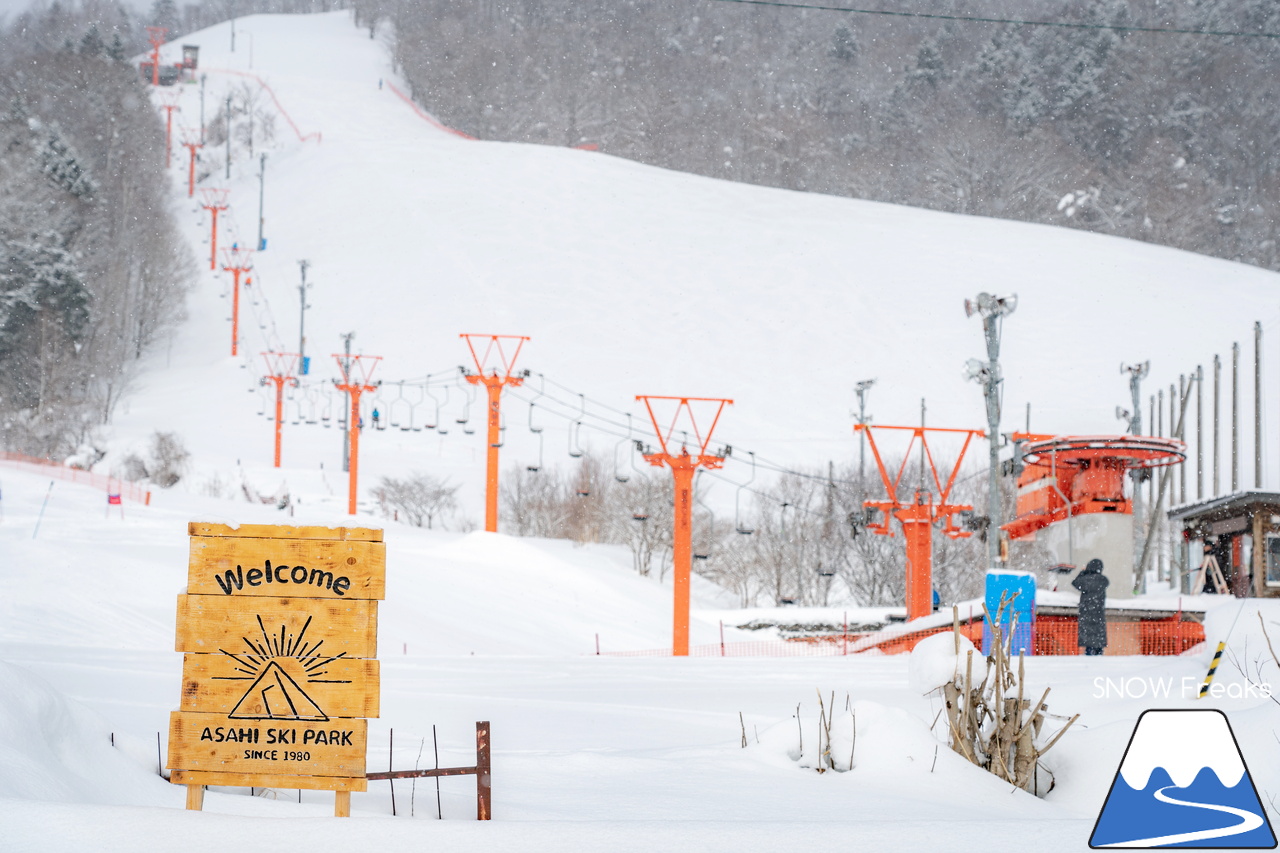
[(633, 280)]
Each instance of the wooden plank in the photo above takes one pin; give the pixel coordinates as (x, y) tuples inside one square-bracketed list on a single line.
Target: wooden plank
[(195, 797), (270, 627), (303, 568), (268, 780), (284, 531), (272, 747), (250, 685), (342, 804)]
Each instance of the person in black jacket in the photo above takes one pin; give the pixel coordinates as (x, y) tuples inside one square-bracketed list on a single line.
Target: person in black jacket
[(1092, 619)]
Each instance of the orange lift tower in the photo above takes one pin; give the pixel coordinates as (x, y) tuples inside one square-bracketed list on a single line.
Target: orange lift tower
[(235, 261), (156, 35), (191, 141), (169, 103), (683, 466), (282, 368), (918, 513), (357, 373), (215, 200), (494, 381)]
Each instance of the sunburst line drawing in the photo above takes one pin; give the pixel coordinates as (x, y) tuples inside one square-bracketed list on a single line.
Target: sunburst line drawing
[(274, 693)]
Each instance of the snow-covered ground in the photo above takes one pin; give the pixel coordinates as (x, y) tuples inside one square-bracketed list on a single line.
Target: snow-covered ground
[(589, 752), (629, 280)]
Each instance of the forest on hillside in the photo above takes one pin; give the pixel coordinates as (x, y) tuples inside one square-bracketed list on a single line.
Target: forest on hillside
[(1163, 137), (93, 273), (92, 270)]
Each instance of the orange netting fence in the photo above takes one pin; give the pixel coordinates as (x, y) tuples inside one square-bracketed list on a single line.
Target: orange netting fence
[(1053, 635), (49, 468)]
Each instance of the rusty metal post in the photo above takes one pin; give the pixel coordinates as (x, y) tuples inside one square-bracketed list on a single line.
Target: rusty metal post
[(484, 782)]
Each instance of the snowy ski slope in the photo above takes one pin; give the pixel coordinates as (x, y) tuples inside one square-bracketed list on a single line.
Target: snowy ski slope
[(629, 280)]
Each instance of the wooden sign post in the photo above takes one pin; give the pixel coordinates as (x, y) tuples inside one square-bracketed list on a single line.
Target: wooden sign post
[(279, 634)]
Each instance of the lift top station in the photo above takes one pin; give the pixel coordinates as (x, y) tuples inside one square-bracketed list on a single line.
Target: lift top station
[(1071, 497)]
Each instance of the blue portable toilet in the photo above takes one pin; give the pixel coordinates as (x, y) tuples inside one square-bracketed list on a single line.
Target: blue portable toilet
[(1020, 589)]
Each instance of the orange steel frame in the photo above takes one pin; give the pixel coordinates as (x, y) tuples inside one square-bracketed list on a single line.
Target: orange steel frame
[(236, 261), (191, 145), (215, 201), (280, 371), (683, 466), (918, 514), (1073, 475), (354, 388), (168, 108), (493, 382), (156, 35)]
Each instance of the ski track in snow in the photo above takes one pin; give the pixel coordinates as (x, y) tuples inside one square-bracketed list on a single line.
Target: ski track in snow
[(1248, 822)]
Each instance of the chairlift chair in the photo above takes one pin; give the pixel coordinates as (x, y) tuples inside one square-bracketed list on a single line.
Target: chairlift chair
[(575, 449), (393, 410), (575, 446), (617, 470), (414, 425), (536, 430), (311, 406), (434, 418), (469, 392)]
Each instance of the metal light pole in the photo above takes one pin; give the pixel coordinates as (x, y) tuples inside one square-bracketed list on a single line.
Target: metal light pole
[(262, 174), (302, 316), (1137, 372), (1235, 417), (345, 363), (861, 390), (993, 310), (1257, 405), (229, 136), (1199, 432)]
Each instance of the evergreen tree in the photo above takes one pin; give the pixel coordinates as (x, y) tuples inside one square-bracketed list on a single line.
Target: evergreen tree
[(844, 45), (164, 13), (92, 44), (61, 164)]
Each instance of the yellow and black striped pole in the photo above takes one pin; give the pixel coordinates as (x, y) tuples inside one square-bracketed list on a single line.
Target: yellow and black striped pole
[(1213, 668)]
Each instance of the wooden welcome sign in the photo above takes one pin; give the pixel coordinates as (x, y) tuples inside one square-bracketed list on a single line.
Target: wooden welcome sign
[(279, 634)]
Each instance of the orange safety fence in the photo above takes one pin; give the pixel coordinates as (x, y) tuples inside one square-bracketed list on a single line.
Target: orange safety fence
[(49, 468), (423, 114), (1052, 636), (279, 107)]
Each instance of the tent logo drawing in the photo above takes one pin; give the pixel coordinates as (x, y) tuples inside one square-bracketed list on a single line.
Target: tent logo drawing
[(1183, 783), (275, 694)]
